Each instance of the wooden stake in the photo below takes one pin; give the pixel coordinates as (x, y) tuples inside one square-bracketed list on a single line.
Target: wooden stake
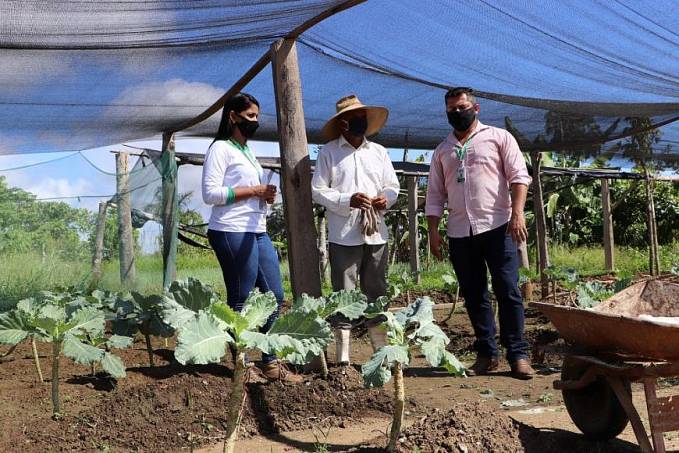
[(99, 244), (125, 240), (540, 222), (169, 211), (323, 245), (413, 237), (295, 171), (608, 226)]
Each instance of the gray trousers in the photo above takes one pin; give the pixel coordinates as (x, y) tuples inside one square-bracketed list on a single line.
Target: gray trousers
[(365, 264)]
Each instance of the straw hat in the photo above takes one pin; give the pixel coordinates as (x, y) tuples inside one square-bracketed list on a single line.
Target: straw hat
[(377, 116)]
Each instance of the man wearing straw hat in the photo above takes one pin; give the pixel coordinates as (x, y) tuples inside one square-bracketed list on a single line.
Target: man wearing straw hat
[(355, 181)]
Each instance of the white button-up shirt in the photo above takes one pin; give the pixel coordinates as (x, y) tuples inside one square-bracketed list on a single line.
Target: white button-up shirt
[(341, 171)]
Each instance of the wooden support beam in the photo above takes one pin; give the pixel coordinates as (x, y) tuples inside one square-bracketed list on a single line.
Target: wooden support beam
[(295, 171), (128, 271), (413, 238), (609, 243), (169, 210), (99, 244), (540, 222), (524, 259), (653, 259), (323, 253)]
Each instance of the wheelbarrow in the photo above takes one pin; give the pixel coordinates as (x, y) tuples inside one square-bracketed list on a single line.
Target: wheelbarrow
[(631, 337)]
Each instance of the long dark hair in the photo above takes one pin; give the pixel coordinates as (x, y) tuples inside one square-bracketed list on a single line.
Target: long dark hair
[(237, 103)]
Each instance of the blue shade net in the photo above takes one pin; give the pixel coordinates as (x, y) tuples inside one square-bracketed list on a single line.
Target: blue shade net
[(570, 76)]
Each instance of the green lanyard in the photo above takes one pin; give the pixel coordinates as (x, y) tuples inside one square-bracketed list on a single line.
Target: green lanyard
[(248, 154), (461, 151)]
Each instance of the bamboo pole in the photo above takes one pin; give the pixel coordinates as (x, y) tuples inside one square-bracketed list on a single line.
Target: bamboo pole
[(609, 252), (295, 171), (99, 244), (540, 222), (413, 237), (125, 240)]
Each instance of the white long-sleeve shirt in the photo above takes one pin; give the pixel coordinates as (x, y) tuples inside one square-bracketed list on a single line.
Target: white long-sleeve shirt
[(227, 167), (341, 171)]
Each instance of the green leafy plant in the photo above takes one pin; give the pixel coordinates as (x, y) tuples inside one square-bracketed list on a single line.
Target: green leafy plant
[(72, 329), (398, 284), (296, 335), (138, 313), (566, 276), (410, 327), (350, 304)]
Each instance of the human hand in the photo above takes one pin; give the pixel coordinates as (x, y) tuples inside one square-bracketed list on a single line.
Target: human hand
[(435, 243), (517, 227), (266, 192), (379, 202), (360, 201)]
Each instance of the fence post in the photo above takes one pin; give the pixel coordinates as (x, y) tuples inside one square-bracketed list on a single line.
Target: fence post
[(609, 251), (413, 237), (540, 222), (169, 211), (99, 244), (128, 271)]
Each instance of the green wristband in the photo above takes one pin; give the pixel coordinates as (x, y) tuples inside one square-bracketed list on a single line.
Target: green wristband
[(230, 196)]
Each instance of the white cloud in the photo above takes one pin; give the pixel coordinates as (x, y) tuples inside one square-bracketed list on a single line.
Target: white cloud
[(175, 92)]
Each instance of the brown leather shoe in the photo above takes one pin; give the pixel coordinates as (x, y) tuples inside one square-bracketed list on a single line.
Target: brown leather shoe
[(277, 371), (254, 375), (483, 366), (521, 369)]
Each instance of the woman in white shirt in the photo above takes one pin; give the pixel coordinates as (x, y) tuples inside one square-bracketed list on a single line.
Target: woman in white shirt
[(237, 228)]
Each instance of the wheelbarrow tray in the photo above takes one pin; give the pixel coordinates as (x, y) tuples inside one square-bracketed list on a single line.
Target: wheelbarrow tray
[(602, 330)]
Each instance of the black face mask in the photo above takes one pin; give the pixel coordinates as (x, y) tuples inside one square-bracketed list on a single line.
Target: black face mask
[(247, 127), (463, 120), (358, 125)]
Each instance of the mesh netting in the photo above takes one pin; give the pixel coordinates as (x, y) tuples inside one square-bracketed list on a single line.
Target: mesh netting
[(562, 75)]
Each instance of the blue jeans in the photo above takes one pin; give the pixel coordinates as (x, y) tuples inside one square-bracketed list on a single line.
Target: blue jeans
[(248, 260), (470, 256)]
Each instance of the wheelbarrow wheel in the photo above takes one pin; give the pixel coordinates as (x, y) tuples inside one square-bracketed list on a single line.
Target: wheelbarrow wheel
[(594, 409)]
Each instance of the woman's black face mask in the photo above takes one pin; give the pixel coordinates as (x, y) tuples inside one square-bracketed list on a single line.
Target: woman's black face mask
[(247, 127)]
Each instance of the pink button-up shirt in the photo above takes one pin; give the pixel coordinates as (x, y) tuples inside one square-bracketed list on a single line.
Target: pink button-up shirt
[(483, 201)]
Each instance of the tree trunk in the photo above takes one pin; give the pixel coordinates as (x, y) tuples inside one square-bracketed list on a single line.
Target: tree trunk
[(56, 404), (236, 401), (295, 171), (36, 359), (399, 403)]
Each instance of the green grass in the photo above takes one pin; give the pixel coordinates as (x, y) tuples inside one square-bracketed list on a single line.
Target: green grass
[(27, 274)]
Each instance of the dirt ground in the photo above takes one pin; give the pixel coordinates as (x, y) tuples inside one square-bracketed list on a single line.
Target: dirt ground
[(174, 408)]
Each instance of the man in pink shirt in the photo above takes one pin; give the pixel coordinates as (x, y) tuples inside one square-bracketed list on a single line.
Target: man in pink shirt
[(478, 171)]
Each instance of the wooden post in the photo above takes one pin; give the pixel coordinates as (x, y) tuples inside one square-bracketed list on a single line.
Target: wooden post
[(323, 245), (609, 252), (413, 238), (128, 271), (527, 287), (653, 259), (540, 222), (170, 214), (295, 171), (99, 244)]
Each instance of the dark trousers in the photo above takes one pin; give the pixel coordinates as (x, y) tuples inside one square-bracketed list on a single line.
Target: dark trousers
[(248, 260), (496, 252)]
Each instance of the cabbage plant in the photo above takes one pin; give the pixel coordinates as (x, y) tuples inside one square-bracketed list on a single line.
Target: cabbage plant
[(204, 337), (409, 328), (350, 304), (74, 330)]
